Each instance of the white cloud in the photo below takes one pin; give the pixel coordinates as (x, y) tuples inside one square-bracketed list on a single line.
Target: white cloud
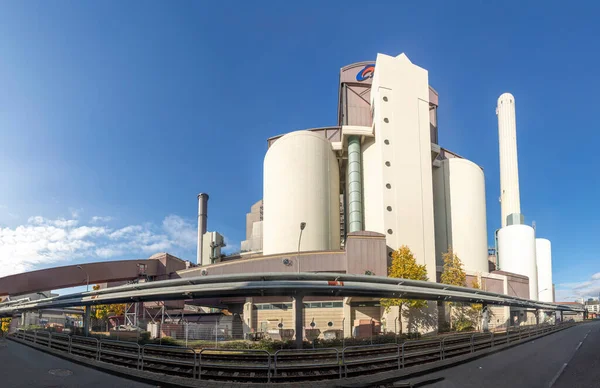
[(568, 292), (229, 246), (75, 213), (125, 232), (42, 242), (106, 253), (99, 219), (85, 231), (182, 232), (59, 222)]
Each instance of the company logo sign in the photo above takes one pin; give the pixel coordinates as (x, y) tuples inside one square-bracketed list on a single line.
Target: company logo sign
[(366, 73)]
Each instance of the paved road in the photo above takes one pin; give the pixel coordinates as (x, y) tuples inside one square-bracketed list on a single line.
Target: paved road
[(583, 370), (536, 364), (24, 367)]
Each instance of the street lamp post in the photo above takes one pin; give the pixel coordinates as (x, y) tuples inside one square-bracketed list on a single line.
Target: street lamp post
[(302, 226), (87, 277)]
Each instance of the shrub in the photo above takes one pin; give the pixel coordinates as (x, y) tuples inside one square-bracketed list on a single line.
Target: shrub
[(160, 341), (464, 324)]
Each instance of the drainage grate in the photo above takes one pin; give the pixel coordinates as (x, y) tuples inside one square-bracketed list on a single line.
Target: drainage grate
[(60, 372)]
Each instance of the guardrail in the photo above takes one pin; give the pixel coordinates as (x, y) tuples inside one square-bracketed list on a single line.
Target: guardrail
[(219, 359), (262, 366), (353, 355), (170, 355), (120, 352), (295, 359)]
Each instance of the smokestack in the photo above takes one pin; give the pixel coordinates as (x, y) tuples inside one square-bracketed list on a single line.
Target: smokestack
[(509, 167), (202, 214)]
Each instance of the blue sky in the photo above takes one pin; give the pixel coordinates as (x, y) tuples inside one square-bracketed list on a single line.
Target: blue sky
[(125, 111)]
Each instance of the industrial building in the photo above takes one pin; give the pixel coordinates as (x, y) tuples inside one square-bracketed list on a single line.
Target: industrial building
[(340, 199)]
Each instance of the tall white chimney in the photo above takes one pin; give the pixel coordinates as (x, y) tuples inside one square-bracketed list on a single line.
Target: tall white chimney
[(509, 166), (202, 214)]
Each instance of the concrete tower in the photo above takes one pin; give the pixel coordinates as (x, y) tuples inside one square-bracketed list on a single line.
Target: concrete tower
[(396, 163), (202, 215), (509, 166)]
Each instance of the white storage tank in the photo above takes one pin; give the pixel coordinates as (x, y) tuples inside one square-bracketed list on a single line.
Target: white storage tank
[(301, 184), (516, 254), (460, 214), (543, 253)]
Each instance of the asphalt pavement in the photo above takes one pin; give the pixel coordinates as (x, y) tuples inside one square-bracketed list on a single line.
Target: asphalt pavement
[(24, 367), (583, 370), (554, 361)]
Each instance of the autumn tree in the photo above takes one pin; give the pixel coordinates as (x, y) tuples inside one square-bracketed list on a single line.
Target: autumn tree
[(404, 266), (476, 308), (453, 274), (102, 312), (5, 325)]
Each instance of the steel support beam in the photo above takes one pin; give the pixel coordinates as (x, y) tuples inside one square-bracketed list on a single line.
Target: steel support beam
[(299, 319), (86, 320)]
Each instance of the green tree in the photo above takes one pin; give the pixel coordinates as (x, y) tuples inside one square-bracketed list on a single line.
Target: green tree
[(404, 266), (454, 274)]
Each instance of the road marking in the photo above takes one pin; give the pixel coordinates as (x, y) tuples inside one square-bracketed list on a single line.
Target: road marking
[(557, 375), (565, 365)]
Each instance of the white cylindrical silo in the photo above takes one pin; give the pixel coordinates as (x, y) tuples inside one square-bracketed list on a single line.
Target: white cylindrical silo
[(509, 166), (543, 253), (301, 184), (516, 254), (460, 214)]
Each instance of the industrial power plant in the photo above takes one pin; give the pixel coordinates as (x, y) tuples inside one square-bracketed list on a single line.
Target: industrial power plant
[(342, 198)]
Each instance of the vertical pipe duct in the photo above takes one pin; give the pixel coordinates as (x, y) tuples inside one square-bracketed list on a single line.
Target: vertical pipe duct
[(202, 214), (509, 166), (355, 213)]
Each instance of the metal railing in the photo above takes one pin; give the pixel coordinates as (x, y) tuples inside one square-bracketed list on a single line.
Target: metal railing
[(212, 364), (85, 346), (354, 355), (294, 359), (421, 351), (234, 359), (119, 352), (170, 355)]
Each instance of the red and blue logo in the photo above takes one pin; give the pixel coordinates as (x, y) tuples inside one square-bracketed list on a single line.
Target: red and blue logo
[(366, 72)]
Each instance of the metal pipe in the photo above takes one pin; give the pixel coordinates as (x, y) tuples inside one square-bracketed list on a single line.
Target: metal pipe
[(353, 285), (355, 213), (202, 215)]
